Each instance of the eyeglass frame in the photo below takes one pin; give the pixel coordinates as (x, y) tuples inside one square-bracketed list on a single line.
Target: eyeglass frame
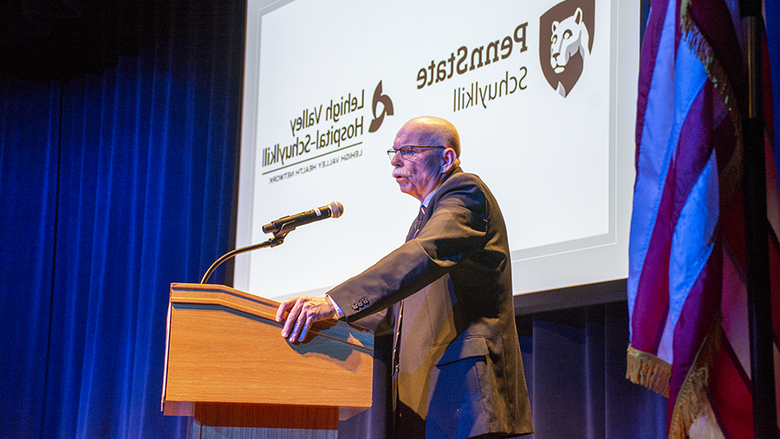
[(411, 152)]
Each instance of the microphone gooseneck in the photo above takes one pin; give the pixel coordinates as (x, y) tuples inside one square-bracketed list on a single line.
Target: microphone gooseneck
[(280, 228)]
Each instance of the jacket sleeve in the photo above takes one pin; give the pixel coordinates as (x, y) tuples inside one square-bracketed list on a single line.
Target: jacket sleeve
[(456, 229)]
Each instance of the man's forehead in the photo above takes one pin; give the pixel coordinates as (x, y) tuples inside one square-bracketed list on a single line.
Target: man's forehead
[(416, 135)]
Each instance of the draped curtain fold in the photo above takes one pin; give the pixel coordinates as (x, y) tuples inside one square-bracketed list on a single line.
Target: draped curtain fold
[(111, 188), (29, 137)]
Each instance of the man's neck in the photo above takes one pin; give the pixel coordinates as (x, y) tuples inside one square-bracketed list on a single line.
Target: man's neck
[(427, 199)]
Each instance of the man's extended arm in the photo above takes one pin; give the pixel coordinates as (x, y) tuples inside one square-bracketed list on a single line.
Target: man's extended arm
[(456, 229)]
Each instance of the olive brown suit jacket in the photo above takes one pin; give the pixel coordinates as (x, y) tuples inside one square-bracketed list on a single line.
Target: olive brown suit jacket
[(459, 372)]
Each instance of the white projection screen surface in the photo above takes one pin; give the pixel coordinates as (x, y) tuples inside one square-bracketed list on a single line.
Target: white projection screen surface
[(543, 94)]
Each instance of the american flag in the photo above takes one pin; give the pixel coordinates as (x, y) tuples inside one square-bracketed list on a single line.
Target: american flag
[(687, 296)]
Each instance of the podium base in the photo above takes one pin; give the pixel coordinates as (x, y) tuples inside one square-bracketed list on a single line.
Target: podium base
[(260, 421)]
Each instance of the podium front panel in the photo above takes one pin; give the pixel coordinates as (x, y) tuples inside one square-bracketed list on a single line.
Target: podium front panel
[(225, 346)]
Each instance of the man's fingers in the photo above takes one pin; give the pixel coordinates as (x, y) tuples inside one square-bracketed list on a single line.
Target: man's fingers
[(283, 307), (295, 331), (307, 326), (292, 316), (305, 318), (302, 312)]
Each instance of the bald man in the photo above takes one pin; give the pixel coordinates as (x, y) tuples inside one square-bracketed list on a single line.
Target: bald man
[(456, 365)]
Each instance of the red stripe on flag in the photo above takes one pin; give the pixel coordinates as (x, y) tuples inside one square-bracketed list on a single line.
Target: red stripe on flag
[(730, 395)]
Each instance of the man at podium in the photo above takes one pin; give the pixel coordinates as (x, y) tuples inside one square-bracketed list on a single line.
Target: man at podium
[(446, 295)]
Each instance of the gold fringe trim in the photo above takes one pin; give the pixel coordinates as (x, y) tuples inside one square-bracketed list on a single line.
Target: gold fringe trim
[(730, 177), (701, 47), (648, 370), (692, 398)]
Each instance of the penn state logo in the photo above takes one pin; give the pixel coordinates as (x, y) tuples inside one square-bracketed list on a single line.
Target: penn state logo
[(565, 42)]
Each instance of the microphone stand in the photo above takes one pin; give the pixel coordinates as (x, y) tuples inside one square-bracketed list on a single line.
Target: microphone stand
[(278, 239)]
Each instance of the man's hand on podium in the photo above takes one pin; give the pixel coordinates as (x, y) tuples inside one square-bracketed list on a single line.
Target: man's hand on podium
[(302, 312)]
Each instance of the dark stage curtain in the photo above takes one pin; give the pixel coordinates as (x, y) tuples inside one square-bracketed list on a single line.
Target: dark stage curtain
[(112, 186), (575, 364)]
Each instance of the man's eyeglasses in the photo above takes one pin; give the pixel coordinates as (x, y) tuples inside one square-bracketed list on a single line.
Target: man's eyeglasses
[(410, 152)]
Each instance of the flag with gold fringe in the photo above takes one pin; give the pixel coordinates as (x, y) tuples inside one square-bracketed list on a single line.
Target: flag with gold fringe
[(687, 296)]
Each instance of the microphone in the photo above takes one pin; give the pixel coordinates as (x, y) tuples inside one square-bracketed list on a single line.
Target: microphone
[(332, 210)]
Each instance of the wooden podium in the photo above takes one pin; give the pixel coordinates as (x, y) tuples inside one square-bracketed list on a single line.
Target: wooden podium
[(228, 366)]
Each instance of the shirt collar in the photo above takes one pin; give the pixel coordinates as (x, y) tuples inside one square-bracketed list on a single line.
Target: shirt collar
[(428, 198)]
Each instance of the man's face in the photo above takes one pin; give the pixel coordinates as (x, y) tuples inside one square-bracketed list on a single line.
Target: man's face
[(420, 176)]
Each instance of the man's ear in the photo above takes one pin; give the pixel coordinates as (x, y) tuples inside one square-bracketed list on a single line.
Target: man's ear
[(449, 160)]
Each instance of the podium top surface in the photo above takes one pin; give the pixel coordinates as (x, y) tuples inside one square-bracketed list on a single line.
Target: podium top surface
[(243, 302)]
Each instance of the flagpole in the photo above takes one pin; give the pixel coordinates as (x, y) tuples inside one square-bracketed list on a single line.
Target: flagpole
[(757, 247)]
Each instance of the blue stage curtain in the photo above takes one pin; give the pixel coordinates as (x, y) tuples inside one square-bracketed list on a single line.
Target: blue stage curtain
[(111, 188), (29, 137), (575, 364)]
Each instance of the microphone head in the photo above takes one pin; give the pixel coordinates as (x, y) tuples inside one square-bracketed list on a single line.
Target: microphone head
[(336, 209)]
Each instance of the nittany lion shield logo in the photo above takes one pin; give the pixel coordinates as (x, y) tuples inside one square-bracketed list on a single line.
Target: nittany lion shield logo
[(565, 42)]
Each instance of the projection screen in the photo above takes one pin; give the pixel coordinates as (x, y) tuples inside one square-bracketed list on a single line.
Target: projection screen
[(542, 92)]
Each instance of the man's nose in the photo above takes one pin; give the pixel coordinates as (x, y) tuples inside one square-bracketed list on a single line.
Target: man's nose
[(396, 160)]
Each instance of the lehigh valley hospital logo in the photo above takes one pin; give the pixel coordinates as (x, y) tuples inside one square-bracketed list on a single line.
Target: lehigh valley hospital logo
[(565, 42), (387, 108)]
